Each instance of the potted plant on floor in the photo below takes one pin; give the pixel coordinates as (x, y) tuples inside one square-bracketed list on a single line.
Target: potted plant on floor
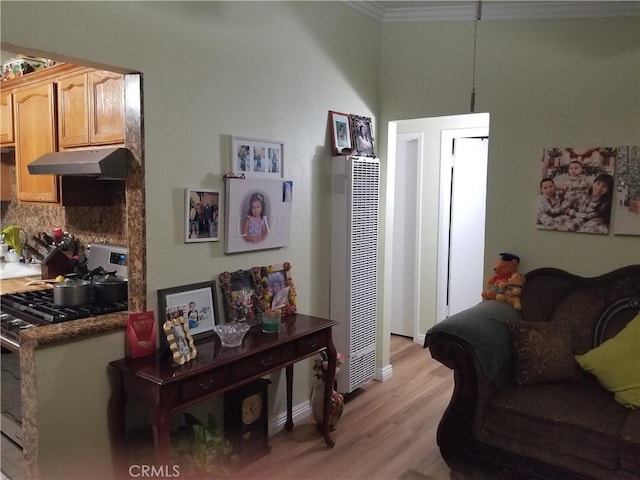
[(201, 450)]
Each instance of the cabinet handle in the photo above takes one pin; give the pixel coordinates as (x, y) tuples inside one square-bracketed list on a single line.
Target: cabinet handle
[(207, 385), (266, 361), (312, 343)]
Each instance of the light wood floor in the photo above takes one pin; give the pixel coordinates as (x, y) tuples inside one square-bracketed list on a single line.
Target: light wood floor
[(386, 428)]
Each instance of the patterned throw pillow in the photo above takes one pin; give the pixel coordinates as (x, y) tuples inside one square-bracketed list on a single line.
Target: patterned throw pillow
[(542, 351)]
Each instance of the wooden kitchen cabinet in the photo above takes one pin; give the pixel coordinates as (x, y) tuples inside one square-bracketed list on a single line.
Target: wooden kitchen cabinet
[(73, 110), (6, 119), (90, 109), (35, 135)]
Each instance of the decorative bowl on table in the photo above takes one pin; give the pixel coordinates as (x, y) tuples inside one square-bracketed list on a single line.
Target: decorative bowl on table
[(231, 334)]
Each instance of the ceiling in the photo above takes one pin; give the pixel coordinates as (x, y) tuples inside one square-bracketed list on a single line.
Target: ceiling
[(424, 11)]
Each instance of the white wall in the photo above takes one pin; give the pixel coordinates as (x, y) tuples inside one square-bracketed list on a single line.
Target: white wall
[(544, 83)]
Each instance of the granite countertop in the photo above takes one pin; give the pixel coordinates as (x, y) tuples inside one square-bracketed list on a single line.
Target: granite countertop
[(65, 331)]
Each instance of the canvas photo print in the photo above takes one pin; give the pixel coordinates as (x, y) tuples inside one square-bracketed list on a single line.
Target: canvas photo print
[(258, 214), (576, 189)]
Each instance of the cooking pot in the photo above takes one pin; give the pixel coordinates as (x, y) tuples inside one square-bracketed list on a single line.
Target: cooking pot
[(109, 288), (71, 292)]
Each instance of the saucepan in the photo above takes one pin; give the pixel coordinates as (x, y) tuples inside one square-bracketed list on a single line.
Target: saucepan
[(109, 288), (71, 292)]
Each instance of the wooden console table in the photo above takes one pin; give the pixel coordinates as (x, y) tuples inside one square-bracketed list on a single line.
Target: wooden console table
[(165, 387)]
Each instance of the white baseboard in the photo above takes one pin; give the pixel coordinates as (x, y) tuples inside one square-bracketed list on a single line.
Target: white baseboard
[(385, 373), (299, 412)]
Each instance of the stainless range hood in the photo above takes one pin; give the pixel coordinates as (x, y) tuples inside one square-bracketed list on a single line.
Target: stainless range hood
[(104, 163)]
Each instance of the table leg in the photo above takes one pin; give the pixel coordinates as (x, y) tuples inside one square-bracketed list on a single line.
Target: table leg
[(289, 374), (332, 356), (161, 422)]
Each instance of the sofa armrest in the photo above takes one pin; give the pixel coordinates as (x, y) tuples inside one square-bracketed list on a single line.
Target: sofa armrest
[(481, 331), (476, 345)]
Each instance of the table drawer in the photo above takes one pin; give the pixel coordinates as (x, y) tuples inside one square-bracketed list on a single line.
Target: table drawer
[(312, 343), (203, 385), (264, 361)]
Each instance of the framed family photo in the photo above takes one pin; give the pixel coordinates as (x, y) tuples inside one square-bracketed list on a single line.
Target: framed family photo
[(253, 157), (279, 293), (202, 208), (180, 340), (575, 189), (362, 136), (242, 295), (340, 132), (196, 303)]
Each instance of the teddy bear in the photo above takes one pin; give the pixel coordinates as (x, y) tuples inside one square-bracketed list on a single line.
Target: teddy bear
[(506, 266), (512, 289)]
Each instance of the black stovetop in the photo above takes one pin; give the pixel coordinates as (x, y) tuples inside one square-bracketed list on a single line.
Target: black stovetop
[(38, 307)]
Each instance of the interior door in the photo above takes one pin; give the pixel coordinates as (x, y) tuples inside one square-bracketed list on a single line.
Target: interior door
[(466, 223)]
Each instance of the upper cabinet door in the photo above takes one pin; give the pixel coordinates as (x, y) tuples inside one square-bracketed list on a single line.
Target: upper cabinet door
[(106, 108), (73, 110), (6, 119), (35, 136)]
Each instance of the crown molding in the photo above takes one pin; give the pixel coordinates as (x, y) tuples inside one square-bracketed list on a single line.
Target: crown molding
[(494, 10)]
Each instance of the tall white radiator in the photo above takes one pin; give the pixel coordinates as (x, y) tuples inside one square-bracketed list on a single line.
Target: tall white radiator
[(354, 259)]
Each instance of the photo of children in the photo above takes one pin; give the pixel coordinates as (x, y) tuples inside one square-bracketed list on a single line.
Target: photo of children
[(575, 193)]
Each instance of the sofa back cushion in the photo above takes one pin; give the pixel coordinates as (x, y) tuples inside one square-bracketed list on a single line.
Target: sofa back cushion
[(553, 295)]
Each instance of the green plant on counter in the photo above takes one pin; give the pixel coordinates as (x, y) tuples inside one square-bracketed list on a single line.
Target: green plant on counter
[(201, 450)]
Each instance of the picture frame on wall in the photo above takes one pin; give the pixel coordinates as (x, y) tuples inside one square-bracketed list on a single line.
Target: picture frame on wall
[(626, 197), (202, 211), (340, 132), (362, 136), (258, 214), (196, 303), (279, 292), (179, 340), (242, 295), (253, 157)]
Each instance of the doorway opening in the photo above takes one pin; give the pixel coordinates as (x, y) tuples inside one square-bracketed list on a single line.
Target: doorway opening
[(437, 190)]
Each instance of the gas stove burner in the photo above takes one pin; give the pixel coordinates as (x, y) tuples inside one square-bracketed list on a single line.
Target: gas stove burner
[(38, 307)]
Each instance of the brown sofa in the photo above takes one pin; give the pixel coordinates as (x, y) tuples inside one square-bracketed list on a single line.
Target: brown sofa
[(565, 427)]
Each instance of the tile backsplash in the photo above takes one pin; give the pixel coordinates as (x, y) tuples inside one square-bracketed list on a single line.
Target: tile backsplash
[(88, 224)]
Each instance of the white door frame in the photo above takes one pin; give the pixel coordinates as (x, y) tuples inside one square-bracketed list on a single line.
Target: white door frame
[(446, 159)]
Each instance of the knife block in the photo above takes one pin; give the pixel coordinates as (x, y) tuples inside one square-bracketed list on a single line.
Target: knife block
[(56, 263)]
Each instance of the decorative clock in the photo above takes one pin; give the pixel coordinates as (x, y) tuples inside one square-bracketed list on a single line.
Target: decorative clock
[(246, 420)]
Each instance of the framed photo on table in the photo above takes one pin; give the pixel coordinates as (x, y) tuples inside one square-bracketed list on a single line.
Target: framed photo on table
[(202, 209), (254, 157), (279, 293), (242, 295), (340, 132), (179, 340), (362, 136), (196, 303)]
